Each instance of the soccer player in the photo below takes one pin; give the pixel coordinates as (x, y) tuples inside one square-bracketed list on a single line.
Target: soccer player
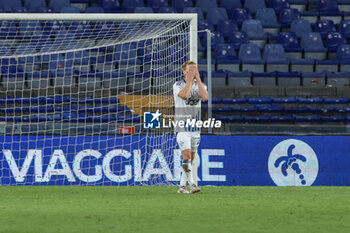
[(188, 94)]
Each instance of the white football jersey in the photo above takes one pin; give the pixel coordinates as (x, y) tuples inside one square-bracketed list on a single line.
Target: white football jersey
[(189, 108)]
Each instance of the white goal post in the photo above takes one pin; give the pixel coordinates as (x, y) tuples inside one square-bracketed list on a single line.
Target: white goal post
[(73, 92)]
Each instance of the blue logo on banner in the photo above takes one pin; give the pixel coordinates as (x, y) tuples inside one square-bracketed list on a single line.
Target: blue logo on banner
[(293, 162), (151, 120)]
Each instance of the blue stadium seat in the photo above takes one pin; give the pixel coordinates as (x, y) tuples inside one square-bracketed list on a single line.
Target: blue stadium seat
[(130, 5), (216, 15), (181, 4), (57, 5), (33, 5), (156, 4), (327, 6), (339, 79), (344, 28), (240, 14), (12, 6), (290, 43), (216, 38), (70, 9), (194, 10), (254, 5), (287, 16), (143, 10), (343, 55), (230, 4), (278, 5), (165, 9), (206, 5), (300, 27), (110, 6), (259, 100), (313, 46), (94, 9), (227, 27), (203, 25), (275, 58), (268, 19), (333, 41), (238, 38), (255, 32), (344, 5), (340, 100), (250, 56), (284, 100), (324, 27), (225, 55)]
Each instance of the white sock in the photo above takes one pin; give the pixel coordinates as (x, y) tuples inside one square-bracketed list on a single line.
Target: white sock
[(187, 168), (183, 181), (195, 169)]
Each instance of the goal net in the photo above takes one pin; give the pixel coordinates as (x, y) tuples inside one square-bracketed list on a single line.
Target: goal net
[(77, 93)]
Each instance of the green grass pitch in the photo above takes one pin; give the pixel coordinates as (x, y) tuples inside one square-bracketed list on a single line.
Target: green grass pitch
[(160, 209)]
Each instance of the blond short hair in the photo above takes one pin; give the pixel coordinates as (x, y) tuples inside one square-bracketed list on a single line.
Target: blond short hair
[(187, 63)]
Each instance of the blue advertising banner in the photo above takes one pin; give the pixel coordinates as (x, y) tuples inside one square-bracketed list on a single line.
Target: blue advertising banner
[(134, 160)]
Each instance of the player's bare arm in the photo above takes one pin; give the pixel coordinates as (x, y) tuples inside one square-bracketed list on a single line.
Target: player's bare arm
[(202, 91), (189, 77)]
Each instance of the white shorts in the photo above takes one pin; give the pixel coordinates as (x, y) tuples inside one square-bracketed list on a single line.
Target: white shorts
[(188, 140)]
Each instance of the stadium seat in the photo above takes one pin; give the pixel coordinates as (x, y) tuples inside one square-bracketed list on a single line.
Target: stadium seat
[(255, 32), (343, 55), (179, 5), (156, 4), (227, 27), (110, 6), (289, 41), (57, 5), (278, 5), (344, 5), (302, 65), (240, 14), (300, 27), (344, 28), (194, 10), (33, 5), (326, 65), (38, 79), (268, 19), (216, 15), (313, 46), (167, 10), (287, 16), (94, 9), (203, 25), (130, 5), (12, 6), (333, 41), (275, 58), (254, 5), (324, 27), (327, 6), (239, 79), (339, 79), (70, 9), (225, 55), (230, 4), (216, 38), (143, 10), (238, 38), (206, 5), (289, 79), (264, 79), (250, 56), (114, 79)]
